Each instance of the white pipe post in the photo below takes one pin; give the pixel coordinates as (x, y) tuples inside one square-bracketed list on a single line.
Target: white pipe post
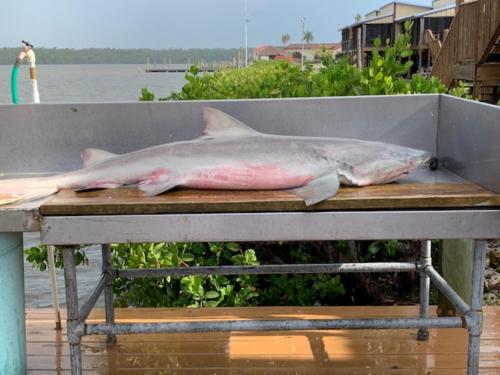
[(30, 54), (53, 281)]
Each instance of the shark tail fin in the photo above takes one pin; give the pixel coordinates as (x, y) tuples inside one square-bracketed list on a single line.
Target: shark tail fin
[(26, 189)]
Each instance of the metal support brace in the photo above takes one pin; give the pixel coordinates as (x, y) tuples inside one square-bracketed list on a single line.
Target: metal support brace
[(90, 303), (107, 269), (273, 325), (474, 316), (268, 269), (445, 288), (425, 283), (72, 310)]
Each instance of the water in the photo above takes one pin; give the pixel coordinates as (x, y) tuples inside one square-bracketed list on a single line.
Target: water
[(38, 292), (80, 83), (89, 83)]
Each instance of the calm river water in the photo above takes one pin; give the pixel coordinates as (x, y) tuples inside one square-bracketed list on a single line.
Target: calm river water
[(81, 83), (89, 83)]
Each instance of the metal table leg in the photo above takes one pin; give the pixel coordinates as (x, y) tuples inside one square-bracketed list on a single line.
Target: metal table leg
[(12, 321), (425, 283), (475, 315), (107, 269), (72, 309)]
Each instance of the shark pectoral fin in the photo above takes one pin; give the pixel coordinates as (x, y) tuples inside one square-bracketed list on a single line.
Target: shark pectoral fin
[(319, 189), (99, 185), (157, 186)]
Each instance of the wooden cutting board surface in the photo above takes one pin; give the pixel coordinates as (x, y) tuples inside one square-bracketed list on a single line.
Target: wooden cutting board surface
[(391, 196)]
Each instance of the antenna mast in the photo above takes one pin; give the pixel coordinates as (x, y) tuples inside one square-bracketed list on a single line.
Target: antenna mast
[(246, 33)]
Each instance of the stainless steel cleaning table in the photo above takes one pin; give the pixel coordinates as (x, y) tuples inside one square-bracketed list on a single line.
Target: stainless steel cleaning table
[(458, 201)]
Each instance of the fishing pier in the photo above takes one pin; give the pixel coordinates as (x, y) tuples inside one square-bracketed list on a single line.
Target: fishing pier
[(458, 200), (202, 65)]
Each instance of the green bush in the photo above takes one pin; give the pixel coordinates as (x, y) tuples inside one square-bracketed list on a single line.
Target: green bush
[(385, 75), (190, 291), (146, 95), (212, 291), (37, 256), (260, 80)]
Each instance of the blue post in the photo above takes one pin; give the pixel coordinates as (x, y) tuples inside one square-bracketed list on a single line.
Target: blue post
[(12, 322)]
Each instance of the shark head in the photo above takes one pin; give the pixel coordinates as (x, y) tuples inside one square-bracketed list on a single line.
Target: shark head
[(389, 164), (369, 163)]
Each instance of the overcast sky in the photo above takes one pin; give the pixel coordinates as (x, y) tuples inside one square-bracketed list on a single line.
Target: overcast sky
[(162, 24)]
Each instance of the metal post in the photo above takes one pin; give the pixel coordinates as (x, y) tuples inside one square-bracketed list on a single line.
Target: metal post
[(303, 21), (107, 269), (475, 315), (72, 309), (53, 283), (425, 283), (12, 322), (246, 33)]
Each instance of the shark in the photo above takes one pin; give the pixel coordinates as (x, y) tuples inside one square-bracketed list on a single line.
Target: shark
[(229, 155)]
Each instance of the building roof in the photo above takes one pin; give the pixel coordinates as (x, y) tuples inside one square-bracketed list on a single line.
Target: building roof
[(369, 20), (268, 51), (284, 58), (427, 13), (313, 46), (405, 3)]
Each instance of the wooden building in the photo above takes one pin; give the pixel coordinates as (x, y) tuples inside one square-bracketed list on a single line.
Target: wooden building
[(387, 22), (471, 50)]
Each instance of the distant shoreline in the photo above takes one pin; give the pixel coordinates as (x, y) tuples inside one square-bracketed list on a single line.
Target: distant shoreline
[(64, 56)]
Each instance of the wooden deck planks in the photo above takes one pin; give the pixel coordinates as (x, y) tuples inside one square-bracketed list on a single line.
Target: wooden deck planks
[(391, 196), (295, 352)]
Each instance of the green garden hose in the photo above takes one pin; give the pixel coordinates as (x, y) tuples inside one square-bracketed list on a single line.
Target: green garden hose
[(13, 84)]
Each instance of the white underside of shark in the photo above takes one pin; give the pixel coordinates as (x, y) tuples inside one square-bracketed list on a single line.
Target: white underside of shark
[(231, 155)]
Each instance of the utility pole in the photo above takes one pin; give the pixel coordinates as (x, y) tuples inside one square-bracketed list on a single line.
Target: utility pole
[(246, 33), (303, 20)]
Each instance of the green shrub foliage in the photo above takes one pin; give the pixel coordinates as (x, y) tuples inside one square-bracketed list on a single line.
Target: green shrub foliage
[(387, 74)]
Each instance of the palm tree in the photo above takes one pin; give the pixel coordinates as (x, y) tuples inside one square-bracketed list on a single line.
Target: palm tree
[(285, 38), (308, 36), (357, 18)]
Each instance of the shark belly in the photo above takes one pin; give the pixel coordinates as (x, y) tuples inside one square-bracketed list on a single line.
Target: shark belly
[(247, 177)]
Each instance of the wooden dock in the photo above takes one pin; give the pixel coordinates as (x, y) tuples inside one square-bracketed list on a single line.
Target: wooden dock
[(179, 70), (314, 352), (203, 66)]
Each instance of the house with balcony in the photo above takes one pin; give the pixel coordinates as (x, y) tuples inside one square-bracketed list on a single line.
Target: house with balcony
[(387, 22)]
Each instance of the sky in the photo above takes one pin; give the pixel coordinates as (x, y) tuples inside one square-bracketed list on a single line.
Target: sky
[(162, 24)]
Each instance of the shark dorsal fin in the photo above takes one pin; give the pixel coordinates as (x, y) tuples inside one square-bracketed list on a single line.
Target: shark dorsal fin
[(92, 156), (220, 124)]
